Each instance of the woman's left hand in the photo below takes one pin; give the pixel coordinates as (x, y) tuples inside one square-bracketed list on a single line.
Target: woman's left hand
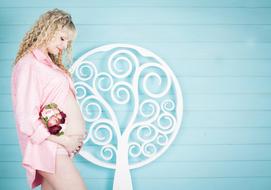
[(78, 149), (80, 146)]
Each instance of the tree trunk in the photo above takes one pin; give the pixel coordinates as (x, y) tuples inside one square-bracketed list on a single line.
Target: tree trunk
[(122, 178)]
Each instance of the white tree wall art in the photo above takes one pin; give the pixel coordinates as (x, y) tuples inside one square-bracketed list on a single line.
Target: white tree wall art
[(132, 104)]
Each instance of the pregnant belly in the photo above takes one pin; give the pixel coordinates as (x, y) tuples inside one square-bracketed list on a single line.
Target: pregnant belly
[(75, 124)]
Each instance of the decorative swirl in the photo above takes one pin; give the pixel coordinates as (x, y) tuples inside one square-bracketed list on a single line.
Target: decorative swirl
[(166, 128), (154, 110), (89, 107), (86, 71), (149, 149), (134, 149), (167, 105), (146, 133), (81, 91), (155, 75), (162, 139), (122, 72), (122, 90), (101, 79), (108, 151), (100, 132)]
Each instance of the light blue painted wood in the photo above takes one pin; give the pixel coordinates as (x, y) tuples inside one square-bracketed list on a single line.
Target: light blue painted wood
[(145, 15), (177, 51), (198, 102), (156, 33), (151, 3), (165, 169), (220, 52), (173, 184), (246, 86), (185, 152), (193, 136), (253, 70), (197, 119)]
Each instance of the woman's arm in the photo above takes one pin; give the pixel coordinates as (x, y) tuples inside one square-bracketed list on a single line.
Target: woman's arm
[(26, 93)]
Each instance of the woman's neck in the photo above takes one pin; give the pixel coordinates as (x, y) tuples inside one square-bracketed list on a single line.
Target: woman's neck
[(44, 50)]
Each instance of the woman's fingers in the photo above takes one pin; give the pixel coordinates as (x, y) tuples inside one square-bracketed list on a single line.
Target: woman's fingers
[(76, 143), (78, 149)]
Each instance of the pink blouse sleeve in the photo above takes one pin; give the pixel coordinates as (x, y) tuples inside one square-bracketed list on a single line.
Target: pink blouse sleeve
[(28, 101)]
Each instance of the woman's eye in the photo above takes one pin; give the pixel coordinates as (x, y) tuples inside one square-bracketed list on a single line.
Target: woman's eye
[(62, 38)]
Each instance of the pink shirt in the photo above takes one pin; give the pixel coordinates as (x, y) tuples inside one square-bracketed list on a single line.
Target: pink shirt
[(37, 81)]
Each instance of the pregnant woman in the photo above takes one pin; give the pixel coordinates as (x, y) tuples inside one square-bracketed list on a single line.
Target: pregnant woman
[(39, 78)]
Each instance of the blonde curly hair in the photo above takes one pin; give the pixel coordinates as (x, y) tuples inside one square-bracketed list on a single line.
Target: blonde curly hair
[(43, 31)]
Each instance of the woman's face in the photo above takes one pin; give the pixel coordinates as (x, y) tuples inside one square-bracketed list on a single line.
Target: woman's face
[(60, 41)]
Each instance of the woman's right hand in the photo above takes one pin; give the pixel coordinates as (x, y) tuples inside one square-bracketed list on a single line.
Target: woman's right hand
[(71, 143)]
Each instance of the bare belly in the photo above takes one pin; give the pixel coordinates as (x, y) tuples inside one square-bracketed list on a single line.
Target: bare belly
[(75, 124)]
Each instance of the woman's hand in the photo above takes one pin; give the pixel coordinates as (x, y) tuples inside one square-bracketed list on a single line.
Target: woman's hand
[(80, 146), (73, 143)]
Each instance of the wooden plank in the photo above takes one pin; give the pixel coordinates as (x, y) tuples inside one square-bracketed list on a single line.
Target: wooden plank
[(143, 15), (196, 119), (262, 183), (155, 33), (233, 169), (176, 51), (141, 3), (191, 136), (185, 69), (199, 85), (196, 86), (186, 153), (196, 102)]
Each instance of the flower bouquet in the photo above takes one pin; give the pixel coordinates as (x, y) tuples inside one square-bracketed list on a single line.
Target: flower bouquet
[(53, 118)]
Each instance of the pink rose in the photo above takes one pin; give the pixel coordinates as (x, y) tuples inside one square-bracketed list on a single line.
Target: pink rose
[(63, 114), (47, 113), (53, 121), (63, 117), (59, 116), (55, 110), (54, 129)]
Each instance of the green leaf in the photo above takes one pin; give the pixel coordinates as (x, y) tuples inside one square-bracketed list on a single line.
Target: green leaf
[(51, 105), (59, 134)]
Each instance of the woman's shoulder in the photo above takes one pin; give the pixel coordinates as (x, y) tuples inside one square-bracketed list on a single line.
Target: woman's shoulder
[(24, 68), (28, 60)]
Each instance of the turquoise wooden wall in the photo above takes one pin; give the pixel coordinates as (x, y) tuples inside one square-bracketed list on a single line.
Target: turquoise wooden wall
[(221, 54)]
